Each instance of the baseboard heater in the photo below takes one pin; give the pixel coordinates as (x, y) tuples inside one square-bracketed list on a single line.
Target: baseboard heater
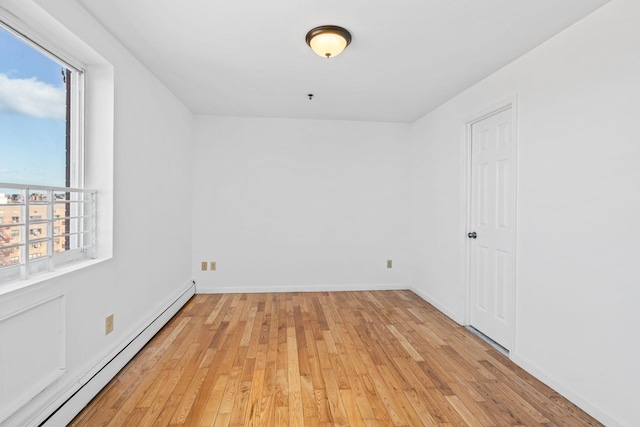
[(65, 412)]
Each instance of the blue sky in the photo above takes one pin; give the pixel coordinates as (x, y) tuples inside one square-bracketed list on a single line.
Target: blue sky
[(32, 115)]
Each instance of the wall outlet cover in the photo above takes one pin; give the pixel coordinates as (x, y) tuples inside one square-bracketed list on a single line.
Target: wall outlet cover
[(108, 324)]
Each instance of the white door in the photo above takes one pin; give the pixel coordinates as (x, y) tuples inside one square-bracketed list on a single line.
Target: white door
[(492, 233)]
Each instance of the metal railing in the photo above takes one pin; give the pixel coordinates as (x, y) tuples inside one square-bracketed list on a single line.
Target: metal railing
[(43, 227)]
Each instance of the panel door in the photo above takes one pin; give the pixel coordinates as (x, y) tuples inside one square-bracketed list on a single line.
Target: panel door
[(493, 222)]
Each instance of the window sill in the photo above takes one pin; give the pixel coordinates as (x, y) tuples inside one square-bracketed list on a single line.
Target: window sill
[(18, 285)]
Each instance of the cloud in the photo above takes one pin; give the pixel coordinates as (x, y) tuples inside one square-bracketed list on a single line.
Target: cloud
[(31, 97)]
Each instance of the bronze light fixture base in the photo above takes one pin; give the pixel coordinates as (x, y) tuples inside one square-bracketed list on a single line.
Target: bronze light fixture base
[(330, 40)]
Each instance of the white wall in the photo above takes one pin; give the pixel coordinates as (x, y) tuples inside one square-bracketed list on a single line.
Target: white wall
[(300, 204), (578, 243), (151, 194)]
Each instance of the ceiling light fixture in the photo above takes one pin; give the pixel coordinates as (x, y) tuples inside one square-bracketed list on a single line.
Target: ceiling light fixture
[(328, 40)]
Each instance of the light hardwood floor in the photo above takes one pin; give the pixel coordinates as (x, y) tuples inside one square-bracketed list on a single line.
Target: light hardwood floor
[(379, 358)]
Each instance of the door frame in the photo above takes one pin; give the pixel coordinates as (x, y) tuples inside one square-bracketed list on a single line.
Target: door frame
[(498, 107)]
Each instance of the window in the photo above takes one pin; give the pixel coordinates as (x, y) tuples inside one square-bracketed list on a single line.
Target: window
[(41, 166), (40, 101)]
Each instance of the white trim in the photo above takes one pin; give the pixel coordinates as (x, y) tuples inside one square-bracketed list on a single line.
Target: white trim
[(438, 305), (45, 381), (582, 402), (77, 117), (31, 307), (71, 401), (200, 289), (19, 285), (509, 102), (576, 398), (18, 28), (490, 110)]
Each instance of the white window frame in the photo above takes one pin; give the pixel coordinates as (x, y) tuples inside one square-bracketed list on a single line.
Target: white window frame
[(35, 20), (76, 163)]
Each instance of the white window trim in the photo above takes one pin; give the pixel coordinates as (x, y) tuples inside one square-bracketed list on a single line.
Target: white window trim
[(98, 103), (35, 39)]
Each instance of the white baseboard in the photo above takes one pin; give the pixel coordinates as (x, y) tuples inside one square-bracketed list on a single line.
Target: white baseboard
[(65, 408), (585, 404), (437, 304), (201, 289)]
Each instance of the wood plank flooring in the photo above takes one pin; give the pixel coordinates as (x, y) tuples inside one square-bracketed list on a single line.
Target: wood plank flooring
[(379, 358)]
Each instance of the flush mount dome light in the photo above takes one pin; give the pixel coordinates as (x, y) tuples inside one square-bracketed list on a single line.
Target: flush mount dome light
[(328, 40)]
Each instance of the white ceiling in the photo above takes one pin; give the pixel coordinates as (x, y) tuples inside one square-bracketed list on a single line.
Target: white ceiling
[(249, 57)]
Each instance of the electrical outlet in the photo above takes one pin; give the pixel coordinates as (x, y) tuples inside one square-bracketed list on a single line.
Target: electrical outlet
[(212, 266), (108, 324), (204, 266), (389, 263)]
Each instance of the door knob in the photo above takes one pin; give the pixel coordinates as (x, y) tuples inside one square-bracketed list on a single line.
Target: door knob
[(472, 235)]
